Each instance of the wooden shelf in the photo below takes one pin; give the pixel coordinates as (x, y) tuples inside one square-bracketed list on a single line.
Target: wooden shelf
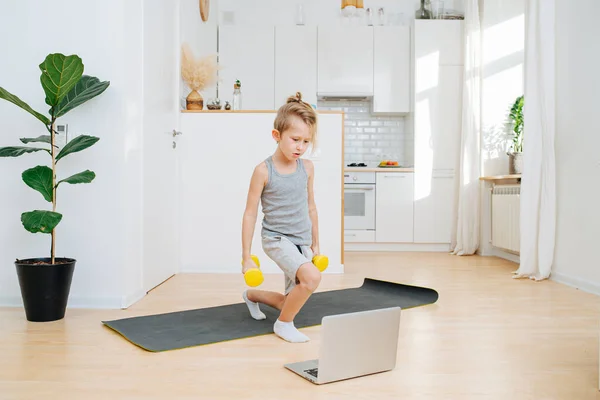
[(499, 177), (366, 169), (250, 111)]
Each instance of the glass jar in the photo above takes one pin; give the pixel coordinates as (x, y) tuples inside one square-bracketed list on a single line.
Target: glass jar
[(236, 103)]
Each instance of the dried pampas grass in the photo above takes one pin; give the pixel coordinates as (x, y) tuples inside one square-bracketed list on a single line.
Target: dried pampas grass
[(198, 73)]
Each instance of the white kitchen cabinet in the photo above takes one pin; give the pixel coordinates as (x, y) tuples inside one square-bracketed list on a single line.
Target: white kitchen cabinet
[(434, 210), (438, 118), (247, 53), (438, 80), (295, 63), (359, 236), (394, 207), (441, 40), (391, 69), (345, 60), (437, 153)]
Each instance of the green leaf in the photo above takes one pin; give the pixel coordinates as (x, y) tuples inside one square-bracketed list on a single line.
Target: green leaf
[(40, 221), (42, 139), (18, 151), (87, 88), (4, 94), (40, 179), (83, 177), (60, 74), (79, 143)]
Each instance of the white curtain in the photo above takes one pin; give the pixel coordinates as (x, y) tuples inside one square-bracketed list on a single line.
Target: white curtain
[(538, 188), (465, 235)]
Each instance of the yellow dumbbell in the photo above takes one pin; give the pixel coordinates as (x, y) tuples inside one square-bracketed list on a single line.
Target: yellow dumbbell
[(254, 276), (321, 262)]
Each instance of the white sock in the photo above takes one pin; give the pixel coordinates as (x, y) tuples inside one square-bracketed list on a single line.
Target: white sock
[(253, 307), (287, 331)]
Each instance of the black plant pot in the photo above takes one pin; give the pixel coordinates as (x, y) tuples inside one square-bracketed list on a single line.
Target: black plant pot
[(45, 287)]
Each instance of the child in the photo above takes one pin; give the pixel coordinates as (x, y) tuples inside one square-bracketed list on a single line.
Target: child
[(290, 235)]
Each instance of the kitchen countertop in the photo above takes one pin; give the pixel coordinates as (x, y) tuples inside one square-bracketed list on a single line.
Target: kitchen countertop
[(377, 169)]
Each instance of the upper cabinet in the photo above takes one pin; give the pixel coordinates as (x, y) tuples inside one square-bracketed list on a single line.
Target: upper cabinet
[(439, 40), (345, 60), (391, 64), (275, 62), (247, 53), (295, 63)]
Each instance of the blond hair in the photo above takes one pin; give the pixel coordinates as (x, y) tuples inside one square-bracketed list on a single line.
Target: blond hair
[(295, 106)]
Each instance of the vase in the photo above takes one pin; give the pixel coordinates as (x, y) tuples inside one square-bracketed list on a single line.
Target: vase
[(424, 11), (194, 101)]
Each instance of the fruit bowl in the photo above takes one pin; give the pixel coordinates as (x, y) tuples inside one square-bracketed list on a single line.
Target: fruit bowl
[(388, 163)]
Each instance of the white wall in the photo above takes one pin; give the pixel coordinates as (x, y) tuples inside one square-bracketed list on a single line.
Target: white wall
[(201, 37), (577, 144), (102, 220), (503, 25)]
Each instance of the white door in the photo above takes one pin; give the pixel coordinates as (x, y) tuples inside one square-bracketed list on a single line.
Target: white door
[(161, 118)]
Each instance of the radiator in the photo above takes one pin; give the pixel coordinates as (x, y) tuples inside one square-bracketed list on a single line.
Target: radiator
[(506, 217)]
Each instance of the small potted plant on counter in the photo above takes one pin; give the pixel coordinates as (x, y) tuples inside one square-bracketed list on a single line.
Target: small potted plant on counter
[(45, 282), (516, 155)]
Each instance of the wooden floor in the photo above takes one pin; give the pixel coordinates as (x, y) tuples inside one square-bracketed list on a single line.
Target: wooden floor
[(489, 336)]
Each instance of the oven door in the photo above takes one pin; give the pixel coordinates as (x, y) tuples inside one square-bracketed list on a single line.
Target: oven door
[(359, 206)]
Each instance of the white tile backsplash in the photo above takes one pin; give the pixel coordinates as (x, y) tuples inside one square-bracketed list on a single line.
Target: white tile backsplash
[(370, 138)]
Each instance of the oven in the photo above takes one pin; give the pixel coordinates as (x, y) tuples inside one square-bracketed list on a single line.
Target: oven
[(359, 201)]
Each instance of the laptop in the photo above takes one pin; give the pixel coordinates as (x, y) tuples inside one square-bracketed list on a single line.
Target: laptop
[(353, 345)]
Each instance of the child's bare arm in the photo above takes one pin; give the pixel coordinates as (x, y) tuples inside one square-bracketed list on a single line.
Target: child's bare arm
[(257, 183), (312, 207)]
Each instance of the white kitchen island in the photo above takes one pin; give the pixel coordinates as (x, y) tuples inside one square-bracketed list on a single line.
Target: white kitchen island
[(217, 153)]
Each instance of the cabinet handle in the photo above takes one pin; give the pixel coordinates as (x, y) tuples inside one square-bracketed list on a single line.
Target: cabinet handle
[(394, 176)]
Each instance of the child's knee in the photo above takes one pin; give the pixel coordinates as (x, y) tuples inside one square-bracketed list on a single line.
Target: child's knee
[(310, 277)]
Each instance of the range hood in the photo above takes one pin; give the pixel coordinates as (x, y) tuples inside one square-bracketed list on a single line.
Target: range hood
[(337, 96)]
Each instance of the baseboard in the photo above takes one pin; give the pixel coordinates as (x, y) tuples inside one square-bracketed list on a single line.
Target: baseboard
[(105, 303), (415, 247), (580, 284), (11, 301), (129, 300), (195, 269), (501, 254)]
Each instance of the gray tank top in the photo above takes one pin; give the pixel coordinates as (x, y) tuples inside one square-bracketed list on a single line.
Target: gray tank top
[(285, 205)]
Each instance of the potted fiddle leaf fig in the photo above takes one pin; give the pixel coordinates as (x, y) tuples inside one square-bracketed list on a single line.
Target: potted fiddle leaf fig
[(45, 282)]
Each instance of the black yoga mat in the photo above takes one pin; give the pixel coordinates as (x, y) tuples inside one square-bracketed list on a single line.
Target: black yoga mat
[(188, 328)]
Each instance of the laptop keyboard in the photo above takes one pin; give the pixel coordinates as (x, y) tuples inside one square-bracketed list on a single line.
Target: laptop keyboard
[(312, 371)]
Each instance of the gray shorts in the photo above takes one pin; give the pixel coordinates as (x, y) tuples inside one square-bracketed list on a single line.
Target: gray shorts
[(287, 256)]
